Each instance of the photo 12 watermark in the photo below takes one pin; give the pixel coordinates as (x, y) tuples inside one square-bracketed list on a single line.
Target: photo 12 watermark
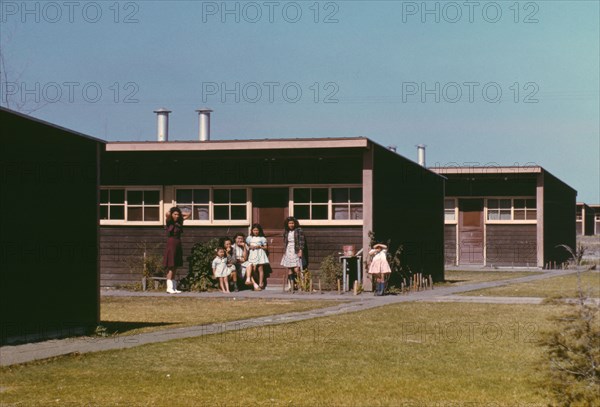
[(468, 332), (67, 92), (254, 12), (54, 12), (269, 92), (469, 92), (452, 12)]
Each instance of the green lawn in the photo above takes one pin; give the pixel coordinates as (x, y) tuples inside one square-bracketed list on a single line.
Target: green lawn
[(134, 315), (563, 286), (399, 355)]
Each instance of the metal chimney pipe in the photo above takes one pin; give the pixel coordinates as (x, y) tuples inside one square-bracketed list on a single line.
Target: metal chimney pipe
[(421, 154), (204, 123), (162, 117), (392, 148)]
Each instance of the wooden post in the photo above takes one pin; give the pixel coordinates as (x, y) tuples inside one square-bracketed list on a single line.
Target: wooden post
[(431, 281), (320, 286), (355, 287), (339, 287)]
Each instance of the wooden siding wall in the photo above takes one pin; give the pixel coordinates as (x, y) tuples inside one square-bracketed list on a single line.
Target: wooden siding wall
[(450, 245), (511, 245), (408, 208), (119, 244), (49, 247), (559, 218)]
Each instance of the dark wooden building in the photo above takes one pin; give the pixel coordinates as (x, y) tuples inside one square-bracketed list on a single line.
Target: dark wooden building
[(339, 189), (49, 206), (507, 216), (585, 222), (596, 209)]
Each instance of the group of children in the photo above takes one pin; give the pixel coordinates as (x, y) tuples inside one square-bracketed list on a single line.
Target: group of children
[(241, 257)]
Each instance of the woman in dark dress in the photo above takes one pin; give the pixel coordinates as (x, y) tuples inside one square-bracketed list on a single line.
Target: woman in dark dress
[(173, 253)]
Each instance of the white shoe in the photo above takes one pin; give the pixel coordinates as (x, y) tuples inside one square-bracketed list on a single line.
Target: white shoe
[(170, 287), (175, 287)]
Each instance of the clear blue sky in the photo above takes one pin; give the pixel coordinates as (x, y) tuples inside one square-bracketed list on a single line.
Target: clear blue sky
[(378, 63)]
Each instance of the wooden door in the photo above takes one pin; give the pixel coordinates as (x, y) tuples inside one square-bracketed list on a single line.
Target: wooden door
[(270, 208), (470, 231)]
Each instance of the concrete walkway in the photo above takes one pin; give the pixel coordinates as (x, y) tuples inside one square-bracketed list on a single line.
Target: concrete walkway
[(16, 354)]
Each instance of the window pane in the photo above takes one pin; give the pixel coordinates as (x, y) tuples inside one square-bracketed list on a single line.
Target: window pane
[(356, 212), (201, 196), (201, 213), (519, 214), (104, 212), (151, 197), (117, 212), (519, 203), (504, 214), (104, 196), (117, 196), (341, 212), (186, 211), (531, 214), (492, 203), (319, 195), (134, 214), (319, 212), (221, 195), (302, 211), (493, 215), (449, 204), (450, 215), (135, 197), (355, 194), (238, 212), (530, 203), (238, 196), (151, 214), (505, 203), (302, 195), (183, 196), (221, 212), (339, 195)]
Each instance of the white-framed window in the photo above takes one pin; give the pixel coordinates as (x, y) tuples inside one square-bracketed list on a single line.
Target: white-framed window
[(524, 209), (327, 205), (130, 205), (207, 205), (450, 210), (520, 210)]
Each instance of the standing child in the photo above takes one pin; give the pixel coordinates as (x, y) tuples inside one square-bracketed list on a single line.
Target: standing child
[(295, 257), (379, 266), (220, 269), (257, 258)]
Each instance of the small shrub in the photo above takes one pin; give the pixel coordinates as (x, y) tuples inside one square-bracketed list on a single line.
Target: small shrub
[(305, 282), (199, 277), (576, 254), (330, 272), (573, 354)]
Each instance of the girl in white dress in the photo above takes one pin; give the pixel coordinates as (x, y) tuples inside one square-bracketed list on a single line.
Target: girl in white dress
[(221, 269), (257, 257), (379, 266)]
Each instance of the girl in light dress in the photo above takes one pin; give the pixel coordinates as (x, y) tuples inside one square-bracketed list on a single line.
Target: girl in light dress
[(379, 267), (221, 269), (257, 256), (227, 244), (294, 258)]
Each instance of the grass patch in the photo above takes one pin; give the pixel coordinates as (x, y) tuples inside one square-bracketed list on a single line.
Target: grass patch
[(462, 277), (399, 355), (134, 315), (556, 287)]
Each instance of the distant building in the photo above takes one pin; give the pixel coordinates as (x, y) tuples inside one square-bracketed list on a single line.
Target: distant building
[(49, 233), (507, 216), (596, 209), (585, 220)]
